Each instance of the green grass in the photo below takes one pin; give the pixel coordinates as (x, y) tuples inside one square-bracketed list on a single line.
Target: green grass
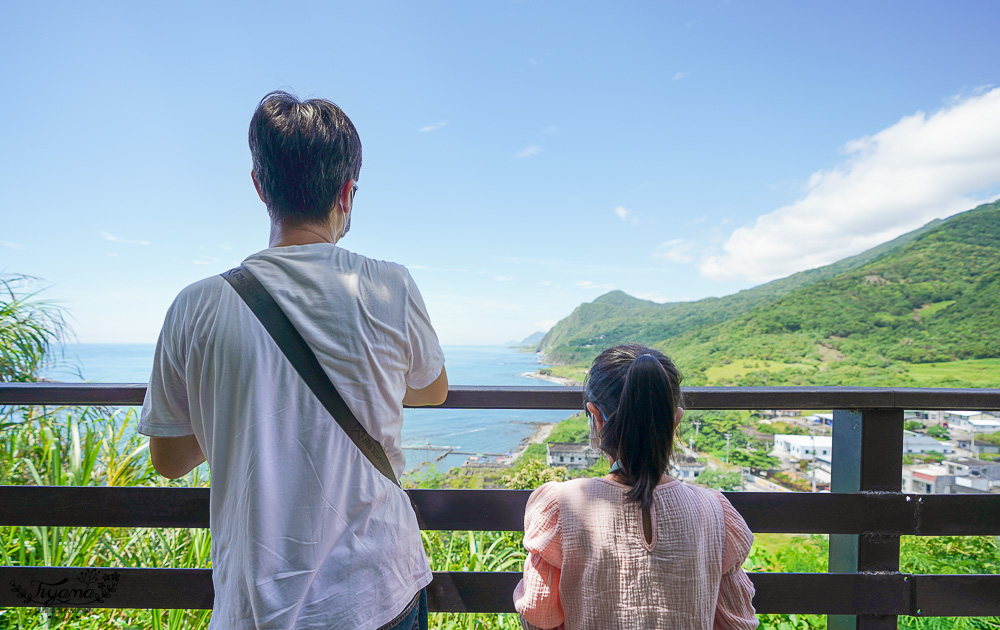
[(741, 367), (930, 309), (969, 373)]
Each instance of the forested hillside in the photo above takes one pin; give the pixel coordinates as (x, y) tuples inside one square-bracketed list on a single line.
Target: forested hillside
[(928, 297)]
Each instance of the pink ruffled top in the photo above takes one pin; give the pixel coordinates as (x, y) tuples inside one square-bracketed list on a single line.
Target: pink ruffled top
[(589, 565)]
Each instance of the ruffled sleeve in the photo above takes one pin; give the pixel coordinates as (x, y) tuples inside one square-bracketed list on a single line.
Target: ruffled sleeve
[(536, 597), (734, 610)]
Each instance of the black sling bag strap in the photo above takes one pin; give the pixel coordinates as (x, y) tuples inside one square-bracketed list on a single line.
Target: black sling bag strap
[(304, 360)]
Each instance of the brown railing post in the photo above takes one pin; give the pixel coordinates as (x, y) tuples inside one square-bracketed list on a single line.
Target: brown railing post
[(867, 458)]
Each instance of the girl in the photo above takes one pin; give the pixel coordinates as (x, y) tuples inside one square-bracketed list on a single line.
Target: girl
[(634, 549)]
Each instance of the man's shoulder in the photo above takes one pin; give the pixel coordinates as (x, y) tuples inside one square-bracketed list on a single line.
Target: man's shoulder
[(206, 288), (380, 267), (319, 259)]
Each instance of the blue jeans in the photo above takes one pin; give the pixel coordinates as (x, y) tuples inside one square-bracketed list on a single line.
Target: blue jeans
[(415, 617)]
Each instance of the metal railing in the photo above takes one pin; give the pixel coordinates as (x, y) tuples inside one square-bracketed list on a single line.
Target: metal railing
[(865, 514)]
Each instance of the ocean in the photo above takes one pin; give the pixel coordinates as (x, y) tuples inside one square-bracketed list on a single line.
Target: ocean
[(490, 432)]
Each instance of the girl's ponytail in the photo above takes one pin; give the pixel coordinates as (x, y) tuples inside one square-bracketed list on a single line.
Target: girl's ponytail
[(640, 389)]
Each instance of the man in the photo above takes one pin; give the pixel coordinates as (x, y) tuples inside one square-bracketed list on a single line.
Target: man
[(306, 533)]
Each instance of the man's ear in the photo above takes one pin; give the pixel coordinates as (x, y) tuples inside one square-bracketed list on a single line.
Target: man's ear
[(256, 185), (346, 197)]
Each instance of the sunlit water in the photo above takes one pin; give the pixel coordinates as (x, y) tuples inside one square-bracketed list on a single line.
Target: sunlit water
[(488, 431)]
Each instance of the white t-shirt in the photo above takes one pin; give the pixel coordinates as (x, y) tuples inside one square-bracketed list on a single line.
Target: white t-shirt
[(306, 533)]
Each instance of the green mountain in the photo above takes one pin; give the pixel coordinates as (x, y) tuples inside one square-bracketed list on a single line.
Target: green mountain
[(929, 296)]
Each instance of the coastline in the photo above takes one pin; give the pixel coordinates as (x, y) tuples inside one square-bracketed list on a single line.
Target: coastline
[(542, 431), (559, 380)]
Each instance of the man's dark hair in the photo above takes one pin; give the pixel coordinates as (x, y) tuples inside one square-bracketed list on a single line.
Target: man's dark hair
[(303, 154)]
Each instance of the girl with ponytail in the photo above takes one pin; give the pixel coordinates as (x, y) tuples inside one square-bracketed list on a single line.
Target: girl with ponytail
[(636, 548)]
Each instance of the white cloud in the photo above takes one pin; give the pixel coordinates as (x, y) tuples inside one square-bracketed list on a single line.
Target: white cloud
[(11, 244), (551, 130), (625, 214), (680, 75), (420, 267), (114, 239), (545, 283), (206, 260), (588, 284), (432, 127), (503, 278), (531, 151), (921, 168), (545, 325), (676, 250)]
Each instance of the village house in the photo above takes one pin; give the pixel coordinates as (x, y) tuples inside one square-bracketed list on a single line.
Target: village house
[(570, 455), (968, 421), (928, 479), (919, 444), (963, 475), (801, 447), (974, 474), (686, 468)]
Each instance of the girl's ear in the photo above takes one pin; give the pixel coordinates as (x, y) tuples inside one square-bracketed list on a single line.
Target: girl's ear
[(678, 414), (595, 411)]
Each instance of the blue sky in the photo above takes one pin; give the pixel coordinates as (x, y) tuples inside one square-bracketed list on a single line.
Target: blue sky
[(519, 157)]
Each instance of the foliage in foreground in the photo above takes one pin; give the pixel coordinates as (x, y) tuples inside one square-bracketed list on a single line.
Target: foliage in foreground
[(29, 328), (94, 447), (90, 447)]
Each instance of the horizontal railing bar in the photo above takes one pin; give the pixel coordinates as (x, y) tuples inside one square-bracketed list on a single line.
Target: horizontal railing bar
[(955, 595), (503, 510), (491, 592), (129, 506), (112, 394), (570, 398)]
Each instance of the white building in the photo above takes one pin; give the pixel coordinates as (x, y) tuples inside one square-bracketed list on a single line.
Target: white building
[(918, 443), (821, 418), (810, 447), (930, 479), (686, 469), (958, 476), (974, 474), (570, 455), (971, 421), (805, 447)]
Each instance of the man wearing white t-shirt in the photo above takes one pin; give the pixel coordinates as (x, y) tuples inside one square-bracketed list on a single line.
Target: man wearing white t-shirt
[(306, 532)]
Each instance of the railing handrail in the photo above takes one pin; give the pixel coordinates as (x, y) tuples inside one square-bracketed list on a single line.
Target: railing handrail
[(570, 398), (865, 516)]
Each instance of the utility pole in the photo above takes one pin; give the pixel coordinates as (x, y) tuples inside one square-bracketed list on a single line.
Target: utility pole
[(728, 435), (812, 475)]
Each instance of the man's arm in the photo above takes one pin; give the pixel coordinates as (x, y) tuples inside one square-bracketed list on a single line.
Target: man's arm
[(175, 457), (433, 394)]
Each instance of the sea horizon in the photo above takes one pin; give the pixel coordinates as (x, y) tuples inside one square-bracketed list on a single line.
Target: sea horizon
[(427, 433)]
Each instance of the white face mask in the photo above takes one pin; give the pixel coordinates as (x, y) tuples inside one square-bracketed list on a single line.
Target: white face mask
[(347, 226)]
